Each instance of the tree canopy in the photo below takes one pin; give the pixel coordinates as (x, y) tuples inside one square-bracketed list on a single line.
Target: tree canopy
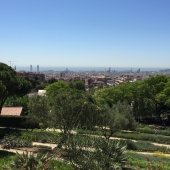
[(11, 84)]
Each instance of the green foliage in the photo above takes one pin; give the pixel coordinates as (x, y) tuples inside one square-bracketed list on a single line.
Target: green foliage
[(57, 165), (16, 101), (39, 136), (149, 98), (11, 84), (5, 159), (113, 95), (110, 155), (77, 84), (8, 131), (145, 97), (140, 145), (66, 109), (72, 108), (8, 161), (89, 114), (139, 161), (8, 82), (116, 118), (23, 86), (154, 130), (54, 88), (144, 137), (144, 146), (12, 141), (28, 161), (38, 111), (103, 155)]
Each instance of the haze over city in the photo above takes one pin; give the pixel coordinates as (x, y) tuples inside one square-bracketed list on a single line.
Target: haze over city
[(89, 33)]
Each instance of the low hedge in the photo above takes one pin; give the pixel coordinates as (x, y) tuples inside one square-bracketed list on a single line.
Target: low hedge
[(149, 130), (144, 137), (12, 141)]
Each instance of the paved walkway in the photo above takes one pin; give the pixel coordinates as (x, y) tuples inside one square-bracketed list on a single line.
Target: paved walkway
[(53, 146)]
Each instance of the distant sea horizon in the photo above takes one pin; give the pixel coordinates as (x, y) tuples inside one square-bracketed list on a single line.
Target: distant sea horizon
[(77, 69)]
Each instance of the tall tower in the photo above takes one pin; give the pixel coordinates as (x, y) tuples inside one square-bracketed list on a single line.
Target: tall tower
[(109, 70), (30, 68), (38, 69)]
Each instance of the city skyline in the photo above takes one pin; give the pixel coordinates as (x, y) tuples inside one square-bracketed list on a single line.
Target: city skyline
[(90, 33)]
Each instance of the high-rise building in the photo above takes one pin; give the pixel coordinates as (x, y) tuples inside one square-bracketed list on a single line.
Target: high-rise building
[(38, 69), (30, 68)]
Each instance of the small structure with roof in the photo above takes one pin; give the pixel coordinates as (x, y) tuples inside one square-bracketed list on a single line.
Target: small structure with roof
[(11, 111)]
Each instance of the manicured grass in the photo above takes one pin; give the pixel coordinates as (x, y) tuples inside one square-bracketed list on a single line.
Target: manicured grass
[(146, 162)]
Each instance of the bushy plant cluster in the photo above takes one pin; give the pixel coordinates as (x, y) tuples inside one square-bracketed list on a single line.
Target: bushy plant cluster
[(12, 141), (39, 136), (28, 161), (145, 147), (144, 137), (154, 130), (102, 155)]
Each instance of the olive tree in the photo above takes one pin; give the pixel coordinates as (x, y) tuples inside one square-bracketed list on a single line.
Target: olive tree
[(116, 118)]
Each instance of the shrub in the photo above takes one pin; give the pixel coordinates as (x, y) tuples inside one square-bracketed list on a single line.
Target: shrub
[(110, 155), (144, 136), (155, 130), (30, 162), (12, 141), (131, 145), (104, 154), (40, 136)]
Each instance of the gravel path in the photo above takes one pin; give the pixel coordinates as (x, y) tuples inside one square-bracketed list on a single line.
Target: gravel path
[(89, 149)]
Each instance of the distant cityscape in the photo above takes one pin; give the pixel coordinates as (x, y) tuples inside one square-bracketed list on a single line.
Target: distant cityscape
[(92, 77), (82, 69)]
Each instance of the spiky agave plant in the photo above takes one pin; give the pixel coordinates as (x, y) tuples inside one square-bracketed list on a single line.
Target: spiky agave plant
[(30, 161), (103, 154), (110, 155)]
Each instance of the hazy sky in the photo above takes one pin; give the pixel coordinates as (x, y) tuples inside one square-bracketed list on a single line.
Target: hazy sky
[(133, 33)]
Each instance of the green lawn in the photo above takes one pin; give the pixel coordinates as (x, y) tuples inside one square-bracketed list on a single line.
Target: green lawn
[(146, 162)]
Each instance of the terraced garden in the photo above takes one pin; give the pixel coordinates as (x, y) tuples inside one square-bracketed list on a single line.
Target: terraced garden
[(145, 149)]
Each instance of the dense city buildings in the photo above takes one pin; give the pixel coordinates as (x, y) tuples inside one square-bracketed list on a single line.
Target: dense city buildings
[(94, 79)]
